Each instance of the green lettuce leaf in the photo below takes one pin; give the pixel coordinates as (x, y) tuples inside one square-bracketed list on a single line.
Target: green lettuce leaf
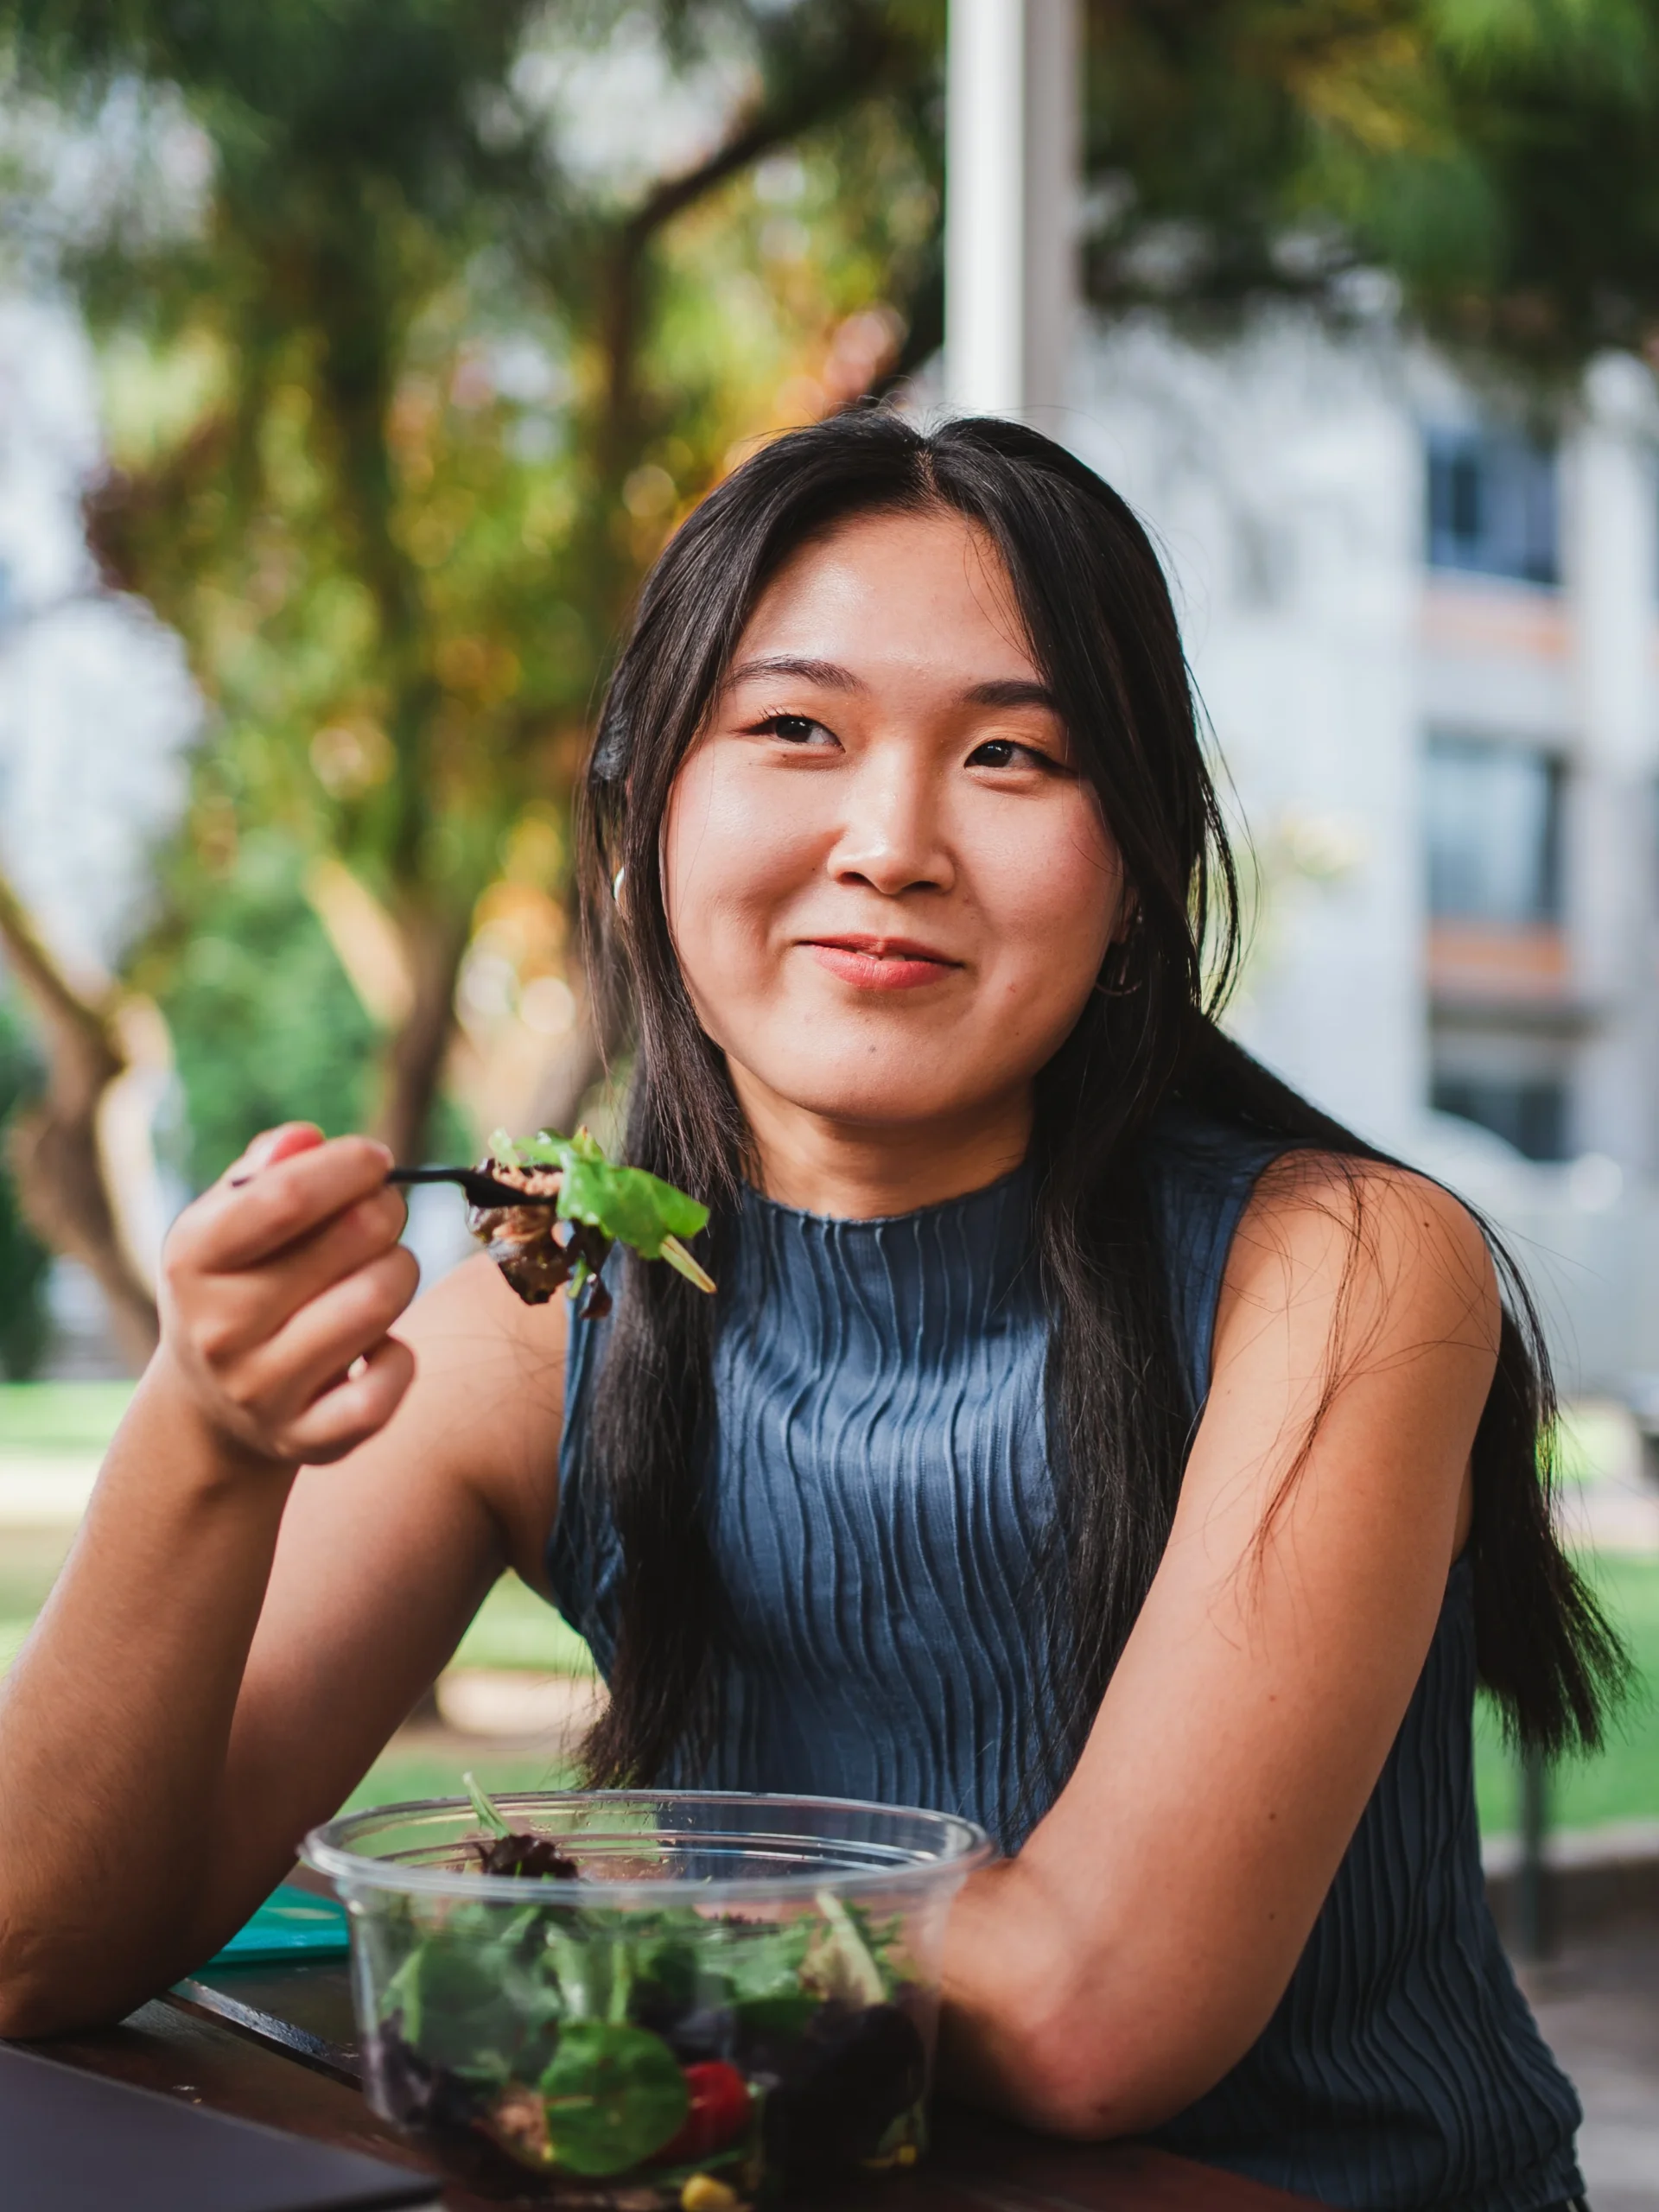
[(623, 1203)]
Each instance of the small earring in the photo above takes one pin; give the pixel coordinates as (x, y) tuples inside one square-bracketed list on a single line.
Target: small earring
[(1114, 970), (617, 882)]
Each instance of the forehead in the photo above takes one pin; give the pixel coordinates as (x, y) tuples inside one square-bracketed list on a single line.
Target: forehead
[(895, 593)]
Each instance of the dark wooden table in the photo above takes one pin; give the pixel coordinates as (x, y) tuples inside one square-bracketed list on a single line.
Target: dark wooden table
[(277, 2044)]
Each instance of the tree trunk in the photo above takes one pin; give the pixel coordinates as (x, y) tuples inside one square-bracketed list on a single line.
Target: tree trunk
[(433, 943), (62, 1189)]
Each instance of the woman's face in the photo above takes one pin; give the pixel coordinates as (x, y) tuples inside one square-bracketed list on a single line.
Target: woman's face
[(890, 890)]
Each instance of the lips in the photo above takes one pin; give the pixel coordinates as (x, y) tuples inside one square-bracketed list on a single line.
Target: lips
[(875, 963)]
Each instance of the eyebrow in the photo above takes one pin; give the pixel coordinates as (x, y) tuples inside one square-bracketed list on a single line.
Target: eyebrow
[(828, 673), (1011, 692), (998, 691)]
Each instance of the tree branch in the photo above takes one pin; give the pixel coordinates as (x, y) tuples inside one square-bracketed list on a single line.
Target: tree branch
[(868, 55), (62, 1188)]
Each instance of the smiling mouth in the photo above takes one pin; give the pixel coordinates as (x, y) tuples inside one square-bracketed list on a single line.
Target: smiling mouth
[(874, 964)]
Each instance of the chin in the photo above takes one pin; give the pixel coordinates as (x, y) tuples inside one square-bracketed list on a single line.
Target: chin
[(873, 1096)]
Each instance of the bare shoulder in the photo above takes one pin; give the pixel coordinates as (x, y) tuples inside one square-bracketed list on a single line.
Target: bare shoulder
[(1344, 1243), (473, 1309), (488, 1397)]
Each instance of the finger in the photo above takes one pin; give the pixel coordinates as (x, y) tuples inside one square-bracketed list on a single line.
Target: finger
[(320, 1343), (272, 1144), (241, 1226), (252, 1304), (355, 1410)]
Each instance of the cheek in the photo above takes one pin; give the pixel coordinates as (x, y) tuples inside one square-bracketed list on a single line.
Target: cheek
[(1053, 900), (730, 856)]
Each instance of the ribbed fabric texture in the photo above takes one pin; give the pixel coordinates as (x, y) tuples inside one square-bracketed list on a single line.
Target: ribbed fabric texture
[(881, 1512)]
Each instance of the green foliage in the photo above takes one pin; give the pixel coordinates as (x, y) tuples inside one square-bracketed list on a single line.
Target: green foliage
[(1499, 158), (399, 421), (266, 1027), (24, 1326)]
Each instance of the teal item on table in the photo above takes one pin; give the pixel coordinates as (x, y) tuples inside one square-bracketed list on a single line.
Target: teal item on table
[(291, 1923)]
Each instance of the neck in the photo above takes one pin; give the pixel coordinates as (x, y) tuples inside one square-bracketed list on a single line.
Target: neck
[(858, 1171)]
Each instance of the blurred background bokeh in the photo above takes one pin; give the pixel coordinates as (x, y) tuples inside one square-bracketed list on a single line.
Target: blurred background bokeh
[(357, 357)]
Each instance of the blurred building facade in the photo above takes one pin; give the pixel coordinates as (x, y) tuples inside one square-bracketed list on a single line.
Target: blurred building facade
[(1428, 644), (1427, 639)]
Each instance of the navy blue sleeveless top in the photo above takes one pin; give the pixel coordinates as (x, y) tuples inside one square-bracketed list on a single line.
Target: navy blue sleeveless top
[(880, 1503)]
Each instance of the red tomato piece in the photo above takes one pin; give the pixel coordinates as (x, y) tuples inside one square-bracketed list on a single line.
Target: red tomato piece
[(718, 2113)]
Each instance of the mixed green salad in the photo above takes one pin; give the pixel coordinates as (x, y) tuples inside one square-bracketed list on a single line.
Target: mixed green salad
[(700, 2056), (543, 1247)]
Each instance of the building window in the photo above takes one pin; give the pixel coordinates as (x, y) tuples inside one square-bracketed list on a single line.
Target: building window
[(1530, 1114), (1494, 820), (1492, 506)]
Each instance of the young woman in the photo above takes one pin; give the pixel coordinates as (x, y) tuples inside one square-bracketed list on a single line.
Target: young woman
[(1087, 1435)]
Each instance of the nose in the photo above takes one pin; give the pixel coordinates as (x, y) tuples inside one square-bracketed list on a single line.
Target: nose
[(892, 833)]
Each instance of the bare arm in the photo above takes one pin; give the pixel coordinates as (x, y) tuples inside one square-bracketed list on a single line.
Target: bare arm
[(233, 1638), (1136, 1947)]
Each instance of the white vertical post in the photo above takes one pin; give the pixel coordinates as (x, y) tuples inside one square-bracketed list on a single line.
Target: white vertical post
[(1014, 91), (1053, 180), (1612, 556)]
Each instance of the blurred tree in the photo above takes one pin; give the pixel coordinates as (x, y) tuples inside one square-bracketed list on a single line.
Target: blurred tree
[(265, 1023), (397, 417), (1497, 159), (58, 1163)]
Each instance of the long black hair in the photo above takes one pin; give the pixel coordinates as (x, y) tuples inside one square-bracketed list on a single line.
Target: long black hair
[(1100, 626)]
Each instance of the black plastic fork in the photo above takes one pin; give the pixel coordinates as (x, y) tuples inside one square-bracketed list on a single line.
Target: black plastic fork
[(481, 1190)]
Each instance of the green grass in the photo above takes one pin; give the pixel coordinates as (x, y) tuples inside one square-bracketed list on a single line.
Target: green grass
[(29, 1559), (1623, 1784), (514, 1628), (79, 1417), (1588, 1438), (398, 1776)]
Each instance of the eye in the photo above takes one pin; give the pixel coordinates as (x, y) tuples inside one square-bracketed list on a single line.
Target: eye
[(793, 729), (1004, 752)]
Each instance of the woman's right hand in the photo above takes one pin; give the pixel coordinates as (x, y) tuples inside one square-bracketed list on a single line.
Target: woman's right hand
[(279, 1285)]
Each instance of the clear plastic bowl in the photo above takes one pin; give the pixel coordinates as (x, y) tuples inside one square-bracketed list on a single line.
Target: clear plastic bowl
[(726, 1990)]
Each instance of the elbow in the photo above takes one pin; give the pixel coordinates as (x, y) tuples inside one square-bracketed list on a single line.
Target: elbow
[(48, 1991), (1083, 2032), (1063, 2077), (31, 2009), (28, 2015), (30, 2000), (1066, 2062), (31, 2004), (34, 2005)]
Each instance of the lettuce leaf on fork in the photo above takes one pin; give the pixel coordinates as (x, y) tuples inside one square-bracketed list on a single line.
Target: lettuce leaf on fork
[(625, 1203)]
